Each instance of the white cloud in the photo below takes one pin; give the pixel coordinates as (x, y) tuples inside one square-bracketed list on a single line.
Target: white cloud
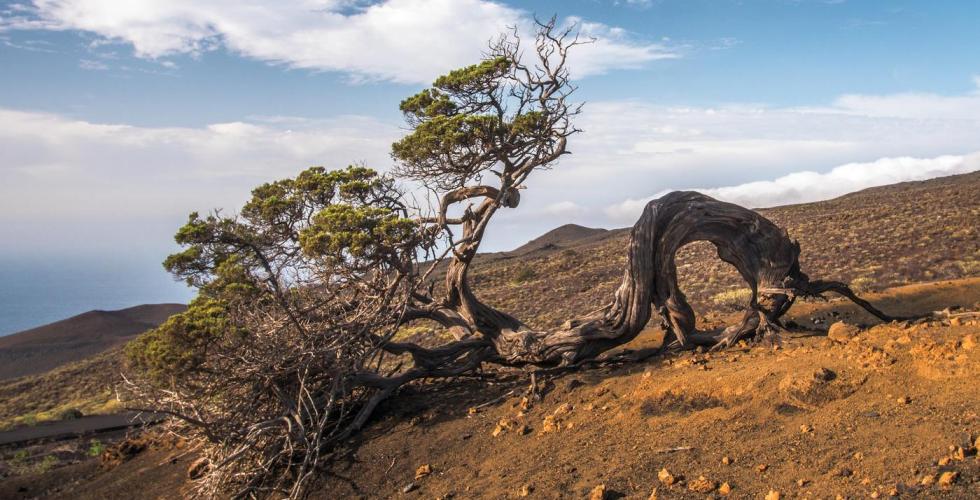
[(409, 41), (807, 186), (564, 209), (54, 168)]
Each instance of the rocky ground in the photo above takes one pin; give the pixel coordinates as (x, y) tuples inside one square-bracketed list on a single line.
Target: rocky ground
[(870, 411), (886, 410)]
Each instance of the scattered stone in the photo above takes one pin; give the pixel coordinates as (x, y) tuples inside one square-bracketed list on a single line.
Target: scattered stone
[(842, 332), (946, 479), (904, 400), (666, 477), (598, 493), (524, 491), (702, 485), (969, 342), (960, 453), (502, 426), (928, 480), (725, 489), (726, 460), (845, 472), (472, 411), (422, 471), (653, 495), (875, 494), (564, 409), (773, 495), (866, 481), (942, 462), (410, 487), (806, 428), (761, 467), (858, 456), (801, 482), (550, 424)]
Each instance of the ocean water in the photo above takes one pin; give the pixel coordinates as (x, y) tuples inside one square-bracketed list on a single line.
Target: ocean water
[(36, 291)]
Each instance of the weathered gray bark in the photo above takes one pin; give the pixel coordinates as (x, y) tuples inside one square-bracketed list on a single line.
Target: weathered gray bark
[(764, 255)]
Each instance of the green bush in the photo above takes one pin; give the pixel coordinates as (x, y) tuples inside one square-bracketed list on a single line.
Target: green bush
[(524, 274), (95, 448), (70, 414), (47, 463)]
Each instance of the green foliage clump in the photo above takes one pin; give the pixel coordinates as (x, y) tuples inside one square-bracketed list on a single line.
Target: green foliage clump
[(524, 274), (181, 344), (462, 125), (95, 448), (366, 233)]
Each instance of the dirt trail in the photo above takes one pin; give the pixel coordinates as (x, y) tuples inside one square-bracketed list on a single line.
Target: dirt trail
[(817, 418)]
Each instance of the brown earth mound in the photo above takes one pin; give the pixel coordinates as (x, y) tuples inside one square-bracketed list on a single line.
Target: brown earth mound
[(43, 348)]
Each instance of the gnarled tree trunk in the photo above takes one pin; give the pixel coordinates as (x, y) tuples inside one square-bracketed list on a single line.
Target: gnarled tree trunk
[(764, 255)]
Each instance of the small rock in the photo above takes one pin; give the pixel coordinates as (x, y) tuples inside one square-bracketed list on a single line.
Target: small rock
[(702, 485), (960, 453), (944, 461), (653, 495), (928, 480), (410, 487), (842, 332), (875, 494), (726, 460), (969, 342), (904, 400), (761, 467), (946, 479), (598, 493), (806, 428), (524, 491), (562, 410), (550, 424), (725, 489), (858, 456), (801, 482), (422, 471), (666, 477), (845, 472), (773, 495)]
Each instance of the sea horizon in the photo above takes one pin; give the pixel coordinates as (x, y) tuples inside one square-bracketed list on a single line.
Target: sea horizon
[(36, 291)]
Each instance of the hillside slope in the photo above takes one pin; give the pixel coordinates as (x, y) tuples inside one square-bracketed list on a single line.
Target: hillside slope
[(43, 348), (875, 238)]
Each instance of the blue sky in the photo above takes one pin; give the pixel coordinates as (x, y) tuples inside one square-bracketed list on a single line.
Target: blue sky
[(777, 52), (119, 118)]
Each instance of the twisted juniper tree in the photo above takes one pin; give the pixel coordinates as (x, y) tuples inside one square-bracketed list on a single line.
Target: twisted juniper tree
[(290, 344)]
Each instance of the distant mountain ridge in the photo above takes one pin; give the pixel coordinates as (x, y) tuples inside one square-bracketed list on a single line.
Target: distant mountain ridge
[(565, 236), (46, 347)]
